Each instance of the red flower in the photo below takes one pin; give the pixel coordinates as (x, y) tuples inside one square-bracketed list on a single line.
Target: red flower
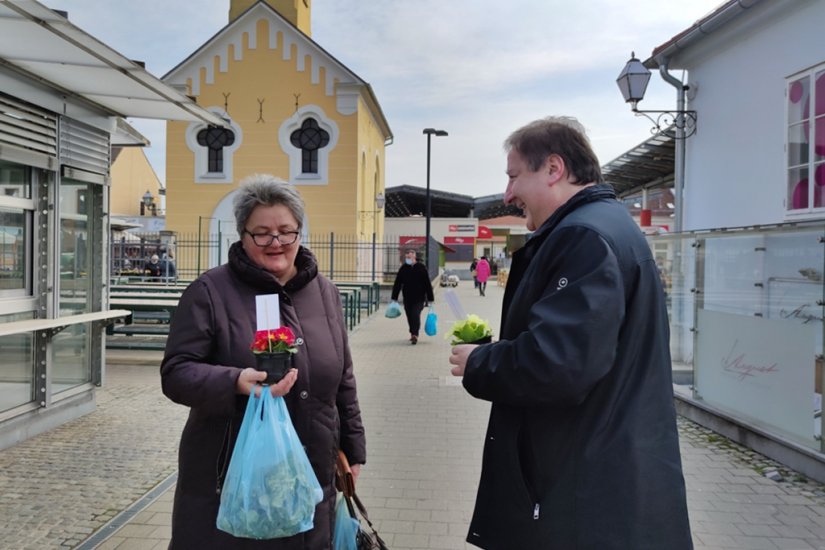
[(279, 339)]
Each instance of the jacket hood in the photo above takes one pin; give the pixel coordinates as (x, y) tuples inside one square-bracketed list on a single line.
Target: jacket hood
[(260, 278)]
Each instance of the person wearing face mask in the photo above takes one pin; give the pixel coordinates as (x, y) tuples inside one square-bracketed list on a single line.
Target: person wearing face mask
[(208, 366), (413, 281)]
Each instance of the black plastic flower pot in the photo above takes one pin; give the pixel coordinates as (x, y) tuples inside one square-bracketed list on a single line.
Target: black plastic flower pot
[(275, 365)]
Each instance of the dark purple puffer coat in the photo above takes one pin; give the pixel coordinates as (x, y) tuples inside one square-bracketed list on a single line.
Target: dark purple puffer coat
[(208, 347)]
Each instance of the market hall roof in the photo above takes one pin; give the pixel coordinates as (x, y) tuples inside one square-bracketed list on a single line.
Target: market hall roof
[(407, 200), (649, 164), (43, 45)]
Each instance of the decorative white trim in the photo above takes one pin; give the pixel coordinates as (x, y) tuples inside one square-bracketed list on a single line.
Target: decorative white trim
[(296, 176), (201, 168)]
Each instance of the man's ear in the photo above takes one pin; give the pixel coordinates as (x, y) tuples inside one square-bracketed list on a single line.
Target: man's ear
[(554, 168)]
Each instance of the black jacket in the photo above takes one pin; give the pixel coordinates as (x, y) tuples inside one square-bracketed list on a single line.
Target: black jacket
[(582, 449), (208, 345), (413, 281)]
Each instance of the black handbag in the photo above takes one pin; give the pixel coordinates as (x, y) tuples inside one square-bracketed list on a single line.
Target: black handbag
[(345, 482)]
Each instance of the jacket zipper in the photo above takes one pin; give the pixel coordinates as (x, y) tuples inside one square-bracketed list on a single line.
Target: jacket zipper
[(536, 511)]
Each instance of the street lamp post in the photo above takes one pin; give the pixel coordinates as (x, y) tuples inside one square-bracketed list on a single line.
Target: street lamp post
[(430, 132)]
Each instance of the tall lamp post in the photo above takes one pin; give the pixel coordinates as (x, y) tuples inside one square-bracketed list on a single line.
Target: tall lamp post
[(430, 132)]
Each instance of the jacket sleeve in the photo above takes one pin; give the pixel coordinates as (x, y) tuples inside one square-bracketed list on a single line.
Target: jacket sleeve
[(572, 329), (188, 377), (396, 286), (353, 440)]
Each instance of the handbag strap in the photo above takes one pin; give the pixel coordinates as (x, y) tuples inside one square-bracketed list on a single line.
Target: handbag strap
[(363, 511)]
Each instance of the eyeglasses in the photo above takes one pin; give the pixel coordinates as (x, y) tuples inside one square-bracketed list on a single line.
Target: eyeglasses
[(266, 239)]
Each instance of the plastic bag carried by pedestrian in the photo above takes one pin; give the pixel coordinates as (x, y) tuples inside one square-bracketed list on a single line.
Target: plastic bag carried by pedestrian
[(431, 323), (346, 527), (270, 490), (393, 310)]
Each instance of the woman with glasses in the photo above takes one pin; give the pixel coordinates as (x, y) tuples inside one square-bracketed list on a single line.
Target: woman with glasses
[(209, 367)]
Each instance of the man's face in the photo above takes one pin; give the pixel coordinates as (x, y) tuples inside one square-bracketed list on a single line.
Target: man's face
[(528, 190), (410, 256)]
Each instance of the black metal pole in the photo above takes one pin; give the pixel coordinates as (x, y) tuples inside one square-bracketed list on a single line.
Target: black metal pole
[(427, 228)]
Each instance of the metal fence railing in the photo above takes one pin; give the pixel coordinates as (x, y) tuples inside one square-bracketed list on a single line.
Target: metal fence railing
[(340, 257)]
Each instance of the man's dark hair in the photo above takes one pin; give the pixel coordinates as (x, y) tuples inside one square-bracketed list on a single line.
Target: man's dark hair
[(563, 136)]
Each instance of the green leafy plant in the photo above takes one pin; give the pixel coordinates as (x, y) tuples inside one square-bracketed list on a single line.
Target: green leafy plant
[(470, 330)]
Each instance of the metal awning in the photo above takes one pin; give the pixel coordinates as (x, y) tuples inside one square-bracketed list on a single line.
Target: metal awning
[(648, 165), (43, 45)]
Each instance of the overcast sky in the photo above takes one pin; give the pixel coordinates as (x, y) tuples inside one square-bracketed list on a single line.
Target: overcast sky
[(478, 69)]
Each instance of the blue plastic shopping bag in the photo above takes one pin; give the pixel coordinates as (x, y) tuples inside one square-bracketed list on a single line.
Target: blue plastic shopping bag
[(431, 324), (270, 490), (393, 310), (346, 527)]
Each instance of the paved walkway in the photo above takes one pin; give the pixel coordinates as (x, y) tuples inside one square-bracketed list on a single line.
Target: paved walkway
[(106, 480)]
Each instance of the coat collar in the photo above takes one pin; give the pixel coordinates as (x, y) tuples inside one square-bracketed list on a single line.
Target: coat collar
[(257, 276), (593, 193)]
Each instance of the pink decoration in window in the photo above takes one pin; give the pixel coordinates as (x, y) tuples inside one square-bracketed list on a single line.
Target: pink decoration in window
[(799, 198)]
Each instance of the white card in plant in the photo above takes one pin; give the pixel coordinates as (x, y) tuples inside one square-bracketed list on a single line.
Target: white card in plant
[(455, 305), (268, 311)]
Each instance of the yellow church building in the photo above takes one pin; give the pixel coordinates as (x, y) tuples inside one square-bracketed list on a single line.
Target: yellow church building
[(292, 110)]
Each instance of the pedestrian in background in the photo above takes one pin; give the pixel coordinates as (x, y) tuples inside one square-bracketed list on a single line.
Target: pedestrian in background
[(209, 367), (482, 274), (413, 281), (152, 268), (582, 449), (473, 272)]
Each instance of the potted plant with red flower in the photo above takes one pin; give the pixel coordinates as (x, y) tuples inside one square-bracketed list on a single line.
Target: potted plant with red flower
[(273, 351)]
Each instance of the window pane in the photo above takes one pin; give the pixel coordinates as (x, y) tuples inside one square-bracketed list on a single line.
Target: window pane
[(70, 349), (70, 358), (12, 249), (819, 185), (798, 100), (798, 144), (819, 139), (17, 366), (820, 93), (14, 181), (798, 188)]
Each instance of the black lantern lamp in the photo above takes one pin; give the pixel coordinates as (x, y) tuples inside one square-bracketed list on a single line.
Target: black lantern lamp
[(633, 81), (147, 204)]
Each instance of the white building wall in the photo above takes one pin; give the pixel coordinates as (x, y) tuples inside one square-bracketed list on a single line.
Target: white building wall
[(735, 167)]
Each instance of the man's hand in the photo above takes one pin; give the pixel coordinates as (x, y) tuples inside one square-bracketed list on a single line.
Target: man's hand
[(459, 356)]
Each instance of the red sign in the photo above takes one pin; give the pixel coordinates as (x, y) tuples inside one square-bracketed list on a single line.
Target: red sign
[(462, 228), (410, 241), (459, 240), (484, 232)]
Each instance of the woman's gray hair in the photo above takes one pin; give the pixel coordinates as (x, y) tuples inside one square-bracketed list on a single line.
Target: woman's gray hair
[(265, 190)]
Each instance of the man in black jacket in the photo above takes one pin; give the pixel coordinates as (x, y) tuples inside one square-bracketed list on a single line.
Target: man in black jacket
[(413, 281), (582, 449)]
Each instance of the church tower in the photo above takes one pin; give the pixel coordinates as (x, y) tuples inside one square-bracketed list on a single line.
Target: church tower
[(296, 12)]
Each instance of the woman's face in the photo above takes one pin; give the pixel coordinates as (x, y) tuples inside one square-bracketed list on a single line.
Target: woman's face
[(277, 258)]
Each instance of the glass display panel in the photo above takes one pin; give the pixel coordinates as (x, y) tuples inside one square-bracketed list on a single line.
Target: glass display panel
[(17, 366)]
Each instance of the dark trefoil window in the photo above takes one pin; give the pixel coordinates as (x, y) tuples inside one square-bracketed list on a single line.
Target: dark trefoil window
[(215, 139), (309, 138)]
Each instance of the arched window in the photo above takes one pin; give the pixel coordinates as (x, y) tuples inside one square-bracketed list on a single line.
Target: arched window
[(309, 138), (215, 139), (213, 148)]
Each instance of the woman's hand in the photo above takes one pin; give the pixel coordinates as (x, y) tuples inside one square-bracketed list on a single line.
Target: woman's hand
[(249, 377), (356, 471)]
